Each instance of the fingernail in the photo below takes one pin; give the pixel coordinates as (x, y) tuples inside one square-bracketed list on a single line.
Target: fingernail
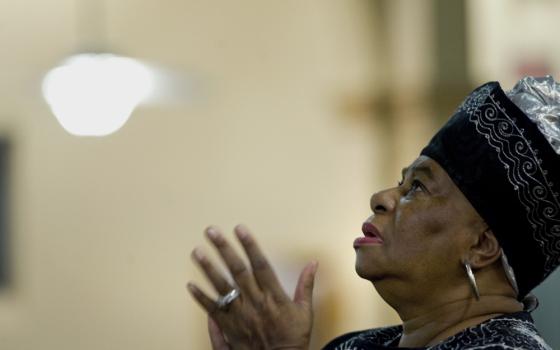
[(198, 254), (241, 231), (212, 232), (191, 287), (314, 266)]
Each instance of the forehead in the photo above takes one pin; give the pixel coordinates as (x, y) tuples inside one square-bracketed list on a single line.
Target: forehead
[(424, 164)]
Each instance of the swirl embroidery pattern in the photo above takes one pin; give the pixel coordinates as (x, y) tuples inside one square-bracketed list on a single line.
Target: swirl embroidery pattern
[(507, 333), (372, 338), (523, 168)]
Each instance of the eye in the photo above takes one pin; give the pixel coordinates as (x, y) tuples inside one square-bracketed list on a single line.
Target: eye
[(416, 186)]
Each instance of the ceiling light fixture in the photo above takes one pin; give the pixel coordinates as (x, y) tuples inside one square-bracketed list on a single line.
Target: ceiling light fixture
[(95, 92)]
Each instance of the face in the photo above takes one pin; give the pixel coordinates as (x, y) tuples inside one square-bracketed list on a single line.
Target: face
[(426, 227)]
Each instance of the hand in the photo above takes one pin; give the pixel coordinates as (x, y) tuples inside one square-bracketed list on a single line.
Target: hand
[(263, 316)]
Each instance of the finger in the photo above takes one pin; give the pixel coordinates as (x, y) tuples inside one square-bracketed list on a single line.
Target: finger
[(304, 290), (219, 282), (235, 264), (262, 270), (216, 336), (202, 299)]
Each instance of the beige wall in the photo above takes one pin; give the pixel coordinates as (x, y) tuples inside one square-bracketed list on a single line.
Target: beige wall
[(103, 227), (510, 39)]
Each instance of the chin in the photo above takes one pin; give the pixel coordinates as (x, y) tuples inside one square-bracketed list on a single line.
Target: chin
[(367, 273)]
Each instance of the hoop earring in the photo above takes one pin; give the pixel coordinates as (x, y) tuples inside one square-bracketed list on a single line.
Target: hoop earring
[(472, 280), (509, 273)]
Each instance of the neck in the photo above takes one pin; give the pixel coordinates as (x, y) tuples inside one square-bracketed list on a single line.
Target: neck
[(442, 321)]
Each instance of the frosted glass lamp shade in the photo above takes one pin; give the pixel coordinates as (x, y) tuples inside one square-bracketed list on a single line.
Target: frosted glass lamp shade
[(95, 94)]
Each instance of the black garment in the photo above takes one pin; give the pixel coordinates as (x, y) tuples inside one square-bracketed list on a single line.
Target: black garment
[(511, 331)]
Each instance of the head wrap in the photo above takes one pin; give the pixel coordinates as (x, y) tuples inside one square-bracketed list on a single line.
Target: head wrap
[(503, 153)]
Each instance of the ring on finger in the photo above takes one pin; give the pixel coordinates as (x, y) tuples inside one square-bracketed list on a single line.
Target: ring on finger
[(224, 301)]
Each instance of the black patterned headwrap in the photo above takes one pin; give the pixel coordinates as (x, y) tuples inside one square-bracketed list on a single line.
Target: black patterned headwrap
[(510, 173)]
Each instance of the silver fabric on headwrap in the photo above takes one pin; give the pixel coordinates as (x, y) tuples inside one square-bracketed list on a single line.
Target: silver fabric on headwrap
[(539, 99)]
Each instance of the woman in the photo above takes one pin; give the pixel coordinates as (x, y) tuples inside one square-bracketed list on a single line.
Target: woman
[(455, 248)]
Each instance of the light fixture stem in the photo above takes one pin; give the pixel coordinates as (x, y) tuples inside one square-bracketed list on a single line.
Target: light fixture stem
[(91, 25)]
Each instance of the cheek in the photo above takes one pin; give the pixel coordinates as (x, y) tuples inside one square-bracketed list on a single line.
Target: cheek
[(422, 231)]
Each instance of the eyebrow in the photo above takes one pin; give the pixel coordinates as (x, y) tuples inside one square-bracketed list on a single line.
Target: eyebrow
[(420, 169)]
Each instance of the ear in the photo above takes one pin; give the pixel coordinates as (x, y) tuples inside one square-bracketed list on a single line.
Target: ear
[(485, 251)]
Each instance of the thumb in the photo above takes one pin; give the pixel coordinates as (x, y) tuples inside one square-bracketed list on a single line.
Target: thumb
[(304, 289), (216, 336)]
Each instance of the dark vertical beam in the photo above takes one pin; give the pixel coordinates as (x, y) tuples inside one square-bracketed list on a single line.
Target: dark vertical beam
[(450, 38), (451, 81)]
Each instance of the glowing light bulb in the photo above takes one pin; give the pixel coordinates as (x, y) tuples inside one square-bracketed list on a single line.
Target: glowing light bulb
[(95, 94)]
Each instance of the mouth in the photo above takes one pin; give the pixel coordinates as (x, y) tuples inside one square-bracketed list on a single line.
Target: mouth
[(371, 236), (370, 230)]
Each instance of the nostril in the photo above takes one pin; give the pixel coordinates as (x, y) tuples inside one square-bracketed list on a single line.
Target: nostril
[(382, 202), (379, 209)]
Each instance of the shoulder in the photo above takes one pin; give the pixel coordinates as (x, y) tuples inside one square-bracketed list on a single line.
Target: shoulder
[(514, 331), (366, 339)]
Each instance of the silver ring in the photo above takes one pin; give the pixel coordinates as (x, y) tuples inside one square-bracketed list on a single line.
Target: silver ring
[(227, 299)]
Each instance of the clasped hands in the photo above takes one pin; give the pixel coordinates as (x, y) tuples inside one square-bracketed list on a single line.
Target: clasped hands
[(262, 315)]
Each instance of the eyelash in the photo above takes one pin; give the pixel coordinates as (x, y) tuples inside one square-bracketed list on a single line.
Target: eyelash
[(415, 184)]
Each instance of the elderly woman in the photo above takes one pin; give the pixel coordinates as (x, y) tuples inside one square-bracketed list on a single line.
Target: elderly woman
[(455, 248)]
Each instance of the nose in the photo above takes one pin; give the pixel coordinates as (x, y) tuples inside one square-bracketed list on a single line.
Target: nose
[(383, 201)]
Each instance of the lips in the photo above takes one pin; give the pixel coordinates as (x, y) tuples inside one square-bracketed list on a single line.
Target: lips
[(371, 236), (370, 230)]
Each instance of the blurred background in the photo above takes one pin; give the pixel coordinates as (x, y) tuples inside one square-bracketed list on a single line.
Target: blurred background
[(283, 115)]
